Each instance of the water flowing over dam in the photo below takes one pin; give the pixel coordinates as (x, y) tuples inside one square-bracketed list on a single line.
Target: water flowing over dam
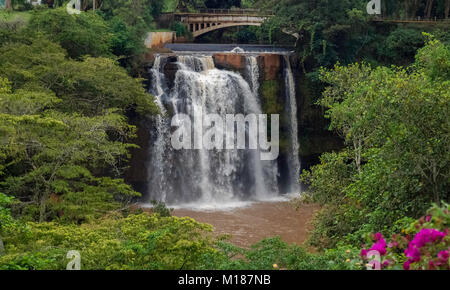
[(294, 161), (215, 178)]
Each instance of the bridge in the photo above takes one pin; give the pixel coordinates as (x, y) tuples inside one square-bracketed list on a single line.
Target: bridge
[(207, 20), (414, 20)]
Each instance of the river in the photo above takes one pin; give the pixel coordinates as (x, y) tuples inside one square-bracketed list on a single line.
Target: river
[(252, 223)]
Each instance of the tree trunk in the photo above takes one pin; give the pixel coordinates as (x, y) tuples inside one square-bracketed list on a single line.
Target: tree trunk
[(8, 4), (415, 8), (437, 199), (428, 8), (407, 9), (2, 247), (357, 145), (447, 8), (43, 207), (410, 8)]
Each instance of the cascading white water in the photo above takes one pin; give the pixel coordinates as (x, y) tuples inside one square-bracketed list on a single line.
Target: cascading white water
[(237, 50), (195, 63), (205, 176), (294, 161), (253, 71), (263, 169), (158, 167)]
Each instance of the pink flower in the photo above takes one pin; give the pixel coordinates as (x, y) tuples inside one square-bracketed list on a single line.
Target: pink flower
[(380, 246), (428, 218), (412, 253), (406, 265), (425, 236), (443, 255), (442, 258), (363, 253), (437, 235), (378, 236)]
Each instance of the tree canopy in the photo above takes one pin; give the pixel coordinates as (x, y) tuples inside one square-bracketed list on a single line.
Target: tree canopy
[(394, 122)]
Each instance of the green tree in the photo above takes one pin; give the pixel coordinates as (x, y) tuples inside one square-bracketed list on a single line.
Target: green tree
[(52, 154), (190, 5), (89, 86), (80, 34), (395, 125), (5, 218), (401, 46)]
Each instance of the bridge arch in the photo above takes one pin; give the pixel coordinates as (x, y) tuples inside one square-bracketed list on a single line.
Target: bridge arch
[(220, 26), (209, 20)]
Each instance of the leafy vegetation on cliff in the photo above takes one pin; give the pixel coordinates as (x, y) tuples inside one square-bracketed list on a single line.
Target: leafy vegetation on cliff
[(331, 31), (396, 162), (64, 102)]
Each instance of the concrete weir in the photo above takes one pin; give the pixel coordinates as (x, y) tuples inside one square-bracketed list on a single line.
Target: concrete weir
[(158, 39)]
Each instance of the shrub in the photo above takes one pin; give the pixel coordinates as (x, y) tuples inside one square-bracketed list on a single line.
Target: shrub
[(424, 245), (139, 241)]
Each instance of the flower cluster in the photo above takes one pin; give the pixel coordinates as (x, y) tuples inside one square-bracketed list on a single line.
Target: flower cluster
[(421, 239), (422, 244), (379, 246)]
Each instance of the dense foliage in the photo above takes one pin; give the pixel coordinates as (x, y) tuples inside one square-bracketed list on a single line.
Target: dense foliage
[(149, 241), (331, 31), (396, 162), (139, 241), (67, 98), (65, 137)]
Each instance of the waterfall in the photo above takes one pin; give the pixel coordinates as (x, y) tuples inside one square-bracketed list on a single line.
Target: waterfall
[(157, 166), (206, 176), (265, 172), (294, 161), (253, 72), (212, 177), (238, 50), (157, 77), (195, 63)]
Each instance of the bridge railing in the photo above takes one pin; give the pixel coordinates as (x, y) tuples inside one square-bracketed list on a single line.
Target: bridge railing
[(228, 11), (413, 20)]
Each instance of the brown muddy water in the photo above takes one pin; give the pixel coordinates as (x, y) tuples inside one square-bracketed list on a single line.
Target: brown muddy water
[(250, 224)]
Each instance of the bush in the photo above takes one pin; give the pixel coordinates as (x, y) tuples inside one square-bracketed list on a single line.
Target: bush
[(274, 254), (396, 161), (160, 208), (182, 30), (423, 245), (139, 241)]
